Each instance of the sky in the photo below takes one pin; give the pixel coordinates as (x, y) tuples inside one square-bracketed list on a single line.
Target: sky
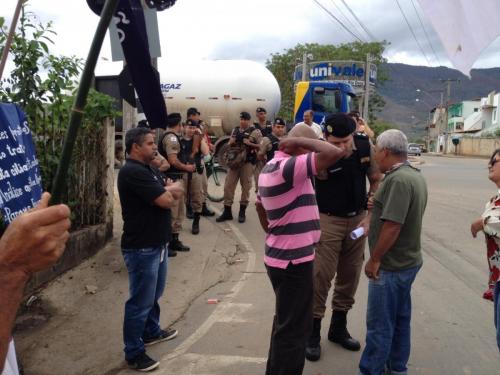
[(239, 29)]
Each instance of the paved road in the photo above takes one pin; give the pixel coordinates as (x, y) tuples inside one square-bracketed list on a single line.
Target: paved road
[(452, 325)]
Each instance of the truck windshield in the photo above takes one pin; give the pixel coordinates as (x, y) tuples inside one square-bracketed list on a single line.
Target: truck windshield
[(327, 100)]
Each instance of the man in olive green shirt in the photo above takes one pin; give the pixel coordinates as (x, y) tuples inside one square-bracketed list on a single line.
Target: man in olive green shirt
[(395, 257)]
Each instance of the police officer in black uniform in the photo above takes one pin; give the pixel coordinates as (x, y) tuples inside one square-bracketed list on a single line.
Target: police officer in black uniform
[(342, 194)]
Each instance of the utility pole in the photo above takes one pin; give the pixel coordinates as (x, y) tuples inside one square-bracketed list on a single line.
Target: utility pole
[(10, 36), (305, 57), (367, 87), (448, 96)]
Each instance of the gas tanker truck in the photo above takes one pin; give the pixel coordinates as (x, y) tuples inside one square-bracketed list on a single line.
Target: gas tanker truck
[(220, 90)]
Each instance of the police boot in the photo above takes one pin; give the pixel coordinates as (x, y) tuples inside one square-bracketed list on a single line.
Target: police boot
[(339, 334), (226, 215), (313, 348), (195, 229), (205, 211), (176, 244), (189, 211), (241, 214)]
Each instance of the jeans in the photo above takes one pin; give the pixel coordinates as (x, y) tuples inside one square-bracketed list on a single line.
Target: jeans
[(496, 301), (388, 323), (147, 273), (292, 322)]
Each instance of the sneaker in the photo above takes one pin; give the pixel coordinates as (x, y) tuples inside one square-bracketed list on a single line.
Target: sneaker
[(143, 363), (489, 294), (164, 335)]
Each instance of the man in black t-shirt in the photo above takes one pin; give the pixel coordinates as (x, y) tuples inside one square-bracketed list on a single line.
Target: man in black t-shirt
[(146, 202)]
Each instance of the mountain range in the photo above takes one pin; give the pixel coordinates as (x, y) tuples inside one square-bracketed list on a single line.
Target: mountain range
[(407, 83)]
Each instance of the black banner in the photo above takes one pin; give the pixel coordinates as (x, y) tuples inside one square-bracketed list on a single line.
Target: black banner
[(129, 19)]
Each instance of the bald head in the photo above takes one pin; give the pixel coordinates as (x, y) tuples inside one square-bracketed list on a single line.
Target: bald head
[(302, 130)]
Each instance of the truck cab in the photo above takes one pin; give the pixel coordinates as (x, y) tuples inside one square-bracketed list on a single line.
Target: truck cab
[(323, 97)]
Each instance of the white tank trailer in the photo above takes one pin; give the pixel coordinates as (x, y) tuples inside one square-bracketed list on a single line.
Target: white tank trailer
[(220, 90)]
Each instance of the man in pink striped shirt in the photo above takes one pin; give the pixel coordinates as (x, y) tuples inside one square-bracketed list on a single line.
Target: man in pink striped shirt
[(288, 213)]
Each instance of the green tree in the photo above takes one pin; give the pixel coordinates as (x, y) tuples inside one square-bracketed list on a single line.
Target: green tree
[(379, 127), (283, 64), (44, 84)]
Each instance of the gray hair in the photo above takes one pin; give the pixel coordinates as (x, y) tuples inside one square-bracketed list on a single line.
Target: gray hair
[(393, 140)]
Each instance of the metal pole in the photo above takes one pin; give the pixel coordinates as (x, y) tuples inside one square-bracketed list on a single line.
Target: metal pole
[(12, 31), (367, 87), (304, 66), (81, 99), (448, 96)]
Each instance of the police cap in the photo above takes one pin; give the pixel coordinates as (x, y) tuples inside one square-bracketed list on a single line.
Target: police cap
[(192, 111), (339, 125), (279, 121), (261, 110), (173, 119), (245, 116)]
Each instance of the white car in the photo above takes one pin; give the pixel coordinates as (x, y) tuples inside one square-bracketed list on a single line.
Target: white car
[(414, 149)]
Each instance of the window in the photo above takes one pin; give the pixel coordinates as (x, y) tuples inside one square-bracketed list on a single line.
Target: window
[(495, 115), (326, 100), (476, 109)]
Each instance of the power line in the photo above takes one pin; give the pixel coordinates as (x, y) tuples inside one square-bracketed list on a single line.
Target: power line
[(346, 18), (413, 33), (336, 19), (359, 21), (425, 31)]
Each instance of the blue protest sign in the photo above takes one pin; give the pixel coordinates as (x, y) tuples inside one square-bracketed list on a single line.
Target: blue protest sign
[(20, 179)]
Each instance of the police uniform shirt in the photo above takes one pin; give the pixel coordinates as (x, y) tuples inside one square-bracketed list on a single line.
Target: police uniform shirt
[(266, 145), (171, 144), (265, 130), (144, 223)]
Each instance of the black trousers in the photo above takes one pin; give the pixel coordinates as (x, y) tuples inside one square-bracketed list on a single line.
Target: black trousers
[(293, 318)]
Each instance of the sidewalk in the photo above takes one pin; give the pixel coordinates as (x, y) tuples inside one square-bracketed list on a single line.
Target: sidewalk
[(75, 324)]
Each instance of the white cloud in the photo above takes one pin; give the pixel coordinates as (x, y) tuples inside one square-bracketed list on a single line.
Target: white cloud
[(213, 29)]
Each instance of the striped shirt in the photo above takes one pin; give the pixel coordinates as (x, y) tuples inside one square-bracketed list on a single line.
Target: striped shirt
[(287, 195)]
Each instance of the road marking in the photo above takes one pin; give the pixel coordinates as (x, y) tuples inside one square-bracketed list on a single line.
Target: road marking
[(209, 364), (219, 313)]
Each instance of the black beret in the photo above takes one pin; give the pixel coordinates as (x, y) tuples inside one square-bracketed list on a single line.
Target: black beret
[(245, 116), (261, 110), (279, 121), (339, 125), (173, 119)]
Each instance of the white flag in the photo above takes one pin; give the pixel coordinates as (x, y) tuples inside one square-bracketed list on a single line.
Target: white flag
[(465, 27)]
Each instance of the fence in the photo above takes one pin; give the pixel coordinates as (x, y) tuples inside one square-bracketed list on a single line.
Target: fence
[(89, 191), (474, 146)]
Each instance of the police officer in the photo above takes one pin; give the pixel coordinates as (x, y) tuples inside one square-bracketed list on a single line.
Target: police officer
[(342, 196), (171, 148), (194, 115), (193, 181), (245, 139), (270, 142), (264, 126)]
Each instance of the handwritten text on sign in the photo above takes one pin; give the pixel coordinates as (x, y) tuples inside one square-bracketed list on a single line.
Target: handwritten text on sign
[(20, 180)]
